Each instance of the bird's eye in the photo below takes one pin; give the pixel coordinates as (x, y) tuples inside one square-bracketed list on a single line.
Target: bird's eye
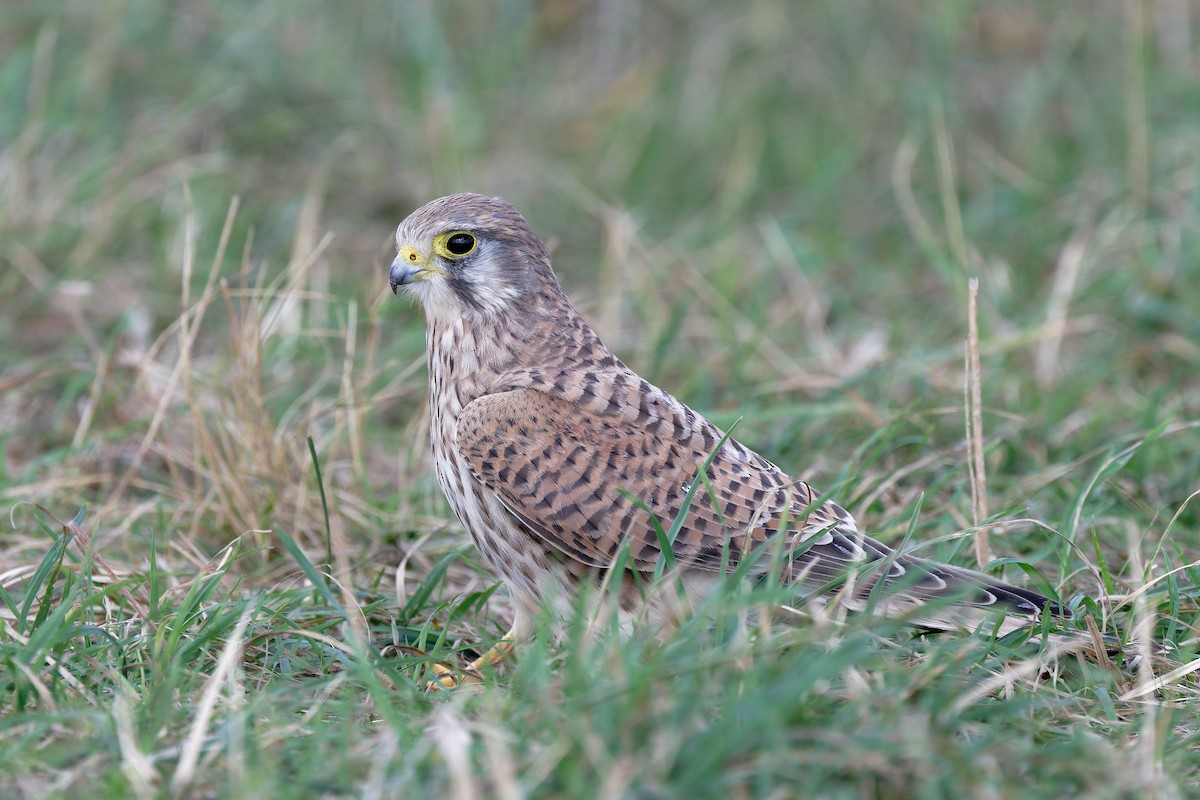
[(459, 244)]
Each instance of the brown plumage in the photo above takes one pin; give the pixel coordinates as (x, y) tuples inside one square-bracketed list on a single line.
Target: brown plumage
[(537, 428)]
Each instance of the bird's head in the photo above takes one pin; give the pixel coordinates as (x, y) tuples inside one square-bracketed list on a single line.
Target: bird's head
[(467, 253)]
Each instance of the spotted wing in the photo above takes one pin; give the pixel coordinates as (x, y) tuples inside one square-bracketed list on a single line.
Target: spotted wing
[(589, 482)]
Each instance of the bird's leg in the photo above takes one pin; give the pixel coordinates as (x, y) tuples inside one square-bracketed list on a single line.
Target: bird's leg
[(446, 678)]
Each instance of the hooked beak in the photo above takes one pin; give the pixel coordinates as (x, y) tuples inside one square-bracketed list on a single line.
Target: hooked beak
[(410, 266), (403, 272)]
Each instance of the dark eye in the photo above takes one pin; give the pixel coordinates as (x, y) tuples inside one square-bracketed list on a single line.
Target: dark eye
[(460, 244)]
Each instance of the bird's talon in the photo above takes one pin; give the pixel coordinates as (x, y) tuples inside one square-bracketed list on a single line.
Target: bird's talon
[(446, 678), (495, 654)]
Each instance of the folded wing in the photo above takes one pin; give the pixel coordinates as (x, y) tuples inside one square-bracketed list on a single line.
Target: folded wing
[(589, 479)]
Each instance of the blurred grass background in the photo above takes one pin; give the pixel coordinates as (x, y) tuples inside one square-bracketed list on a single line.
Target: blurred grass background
[(770, 208)]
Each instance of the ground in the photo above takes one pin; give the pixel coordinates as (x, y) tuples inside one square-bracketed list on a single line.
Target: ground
[(226, 566)]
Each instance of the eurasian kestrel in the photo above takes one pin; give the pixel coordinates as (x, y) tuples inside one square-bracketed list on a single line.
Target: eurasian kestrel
[(554, 454)]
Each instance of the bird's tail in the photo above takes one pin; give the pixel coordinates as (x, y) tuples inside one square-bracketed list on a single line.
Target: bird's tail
[(941, 598)]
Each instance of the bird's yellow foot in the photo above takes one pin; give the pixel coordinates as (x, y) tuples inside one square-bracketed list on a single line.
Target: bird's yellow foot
[(447, 678), (495, 654)]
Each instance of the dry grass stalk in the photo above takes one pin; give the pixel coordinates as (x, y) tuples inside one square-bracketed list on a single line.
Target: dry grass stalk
[(1066, 277), (189, 757), (973, 399)]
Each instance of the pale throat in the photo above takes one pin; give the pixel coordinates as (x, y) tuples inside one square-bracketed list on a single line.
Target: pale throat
[(465, 358)]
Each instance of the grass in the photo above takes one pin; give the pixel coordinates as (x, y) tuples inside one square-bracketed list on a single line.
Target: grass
[(228, 568)]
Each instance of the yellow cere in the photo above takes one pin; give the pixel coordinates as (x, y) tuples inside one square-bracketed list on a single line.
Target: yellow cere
[(414, 256)]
